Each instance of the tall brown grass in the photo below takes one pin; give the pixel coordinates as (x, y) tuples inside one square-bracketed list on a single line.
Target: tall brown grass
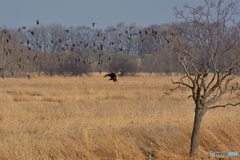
[(92, 118)]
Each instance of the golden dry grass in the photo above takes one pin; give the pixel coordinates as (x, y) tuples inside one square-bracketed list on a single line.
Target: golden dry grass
[(92, 118)]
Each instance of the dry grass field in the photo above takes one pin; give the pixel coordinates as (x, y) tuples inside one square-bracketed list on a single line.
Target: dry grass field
[(92, 118)]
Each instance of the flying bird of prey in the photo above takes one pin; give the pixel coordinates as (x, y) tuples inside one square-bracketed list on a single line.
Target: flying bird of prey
[(113, 76)]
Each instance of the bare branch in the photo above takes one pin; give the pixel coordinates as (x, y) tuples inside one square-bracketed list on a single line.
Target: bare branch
[(228, 104), (189, 54), (183, 65), (182, 83), (171, 90), (207, 93)]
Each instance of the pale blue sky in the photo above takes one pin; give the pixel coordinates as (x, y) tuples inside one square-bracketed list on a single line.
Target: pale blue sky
[(18, 13)]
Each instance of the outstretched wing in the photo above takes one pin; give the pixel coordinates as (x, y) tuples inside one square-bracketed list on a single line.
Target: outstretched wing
[(110, 75)]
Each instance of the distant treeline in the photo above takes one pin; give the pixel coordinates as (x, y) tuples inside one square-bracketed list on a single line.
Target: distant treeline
[(54, 49)]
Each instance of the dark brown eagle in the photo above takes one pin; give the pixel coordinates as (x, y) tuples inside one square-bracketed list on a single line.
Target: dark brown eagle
[(113, 76)]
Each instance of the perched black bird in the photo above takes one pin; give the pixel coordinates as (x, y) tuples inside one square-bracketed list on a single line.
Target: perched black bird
[(37, 22), (113, 76)]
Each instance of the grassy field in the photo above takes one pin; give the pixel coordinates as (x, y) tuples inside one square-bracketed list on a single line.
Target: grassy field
[(92, 118)]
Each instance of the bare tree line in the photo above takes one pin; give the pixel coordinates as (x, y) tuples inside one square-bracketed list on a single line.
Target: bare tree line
[(55, 49)]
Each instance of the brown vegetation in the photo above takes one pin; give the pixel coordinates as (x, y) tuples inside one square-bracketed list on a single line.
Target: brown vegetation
[(91, 118)]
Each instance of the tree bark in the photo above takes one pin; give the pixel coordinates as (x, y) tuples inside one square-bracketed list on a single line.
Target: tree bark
[(199, 113)]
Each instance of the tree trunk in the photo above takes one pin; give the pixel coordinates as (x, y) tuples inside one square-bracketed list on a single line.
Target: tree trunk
[(199, 113)]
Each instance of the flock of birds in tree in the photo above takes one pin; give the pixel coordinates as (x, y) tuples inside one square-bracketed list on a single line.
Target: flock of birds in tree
[(77, 58)]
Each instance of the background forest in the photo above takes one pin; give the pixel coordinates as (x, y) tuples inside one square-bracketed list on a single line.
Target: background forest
[(56, 50)]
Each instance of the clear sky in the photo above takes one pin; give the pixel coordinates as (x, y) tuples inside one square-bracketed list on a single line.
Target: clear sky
[(18, 13)]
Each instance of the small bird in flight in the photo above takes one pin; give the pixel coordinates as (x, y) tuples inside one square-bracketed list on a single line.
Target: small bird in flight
[(94, 24)]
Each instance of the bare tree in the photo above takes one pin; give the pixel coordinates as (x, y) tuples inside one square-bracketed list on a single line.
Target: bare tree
[(206, 49)]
